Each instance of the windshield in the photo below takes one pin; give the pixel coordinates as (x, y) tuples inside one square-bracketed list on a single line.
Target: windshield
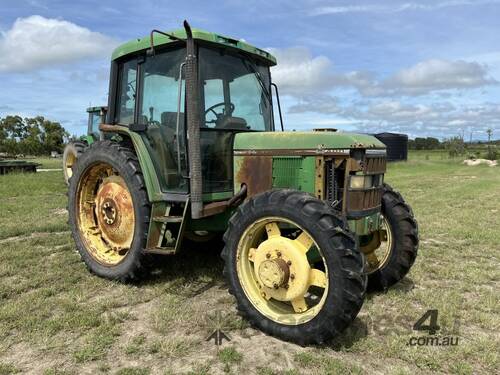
[(235, 92)]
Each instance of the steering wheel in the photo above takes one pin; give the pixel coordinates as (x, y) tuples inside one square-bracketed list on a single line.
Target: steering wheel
[(218, 115)]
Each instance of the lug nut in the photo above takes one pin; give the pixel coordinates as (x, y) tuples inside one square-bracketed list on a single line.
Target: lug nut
[(268, 255), (278, 253), (276, 286), (292, 276), (289, 263)]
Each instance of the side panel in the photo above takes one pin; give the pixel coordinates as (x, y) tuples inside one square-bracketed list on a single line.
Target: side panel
[(263, 173)]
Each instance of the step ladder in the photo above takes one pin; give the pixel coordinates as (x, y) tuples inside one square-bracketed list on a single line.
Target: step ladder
[(167, 227)]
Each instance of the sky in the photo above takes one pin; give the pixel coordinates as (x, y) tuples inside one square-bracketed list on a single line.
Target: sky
[(424, 68)]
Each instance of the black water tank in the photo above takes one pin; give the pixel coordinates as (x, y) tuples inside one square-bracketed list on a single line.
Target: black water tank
[(397, 145)]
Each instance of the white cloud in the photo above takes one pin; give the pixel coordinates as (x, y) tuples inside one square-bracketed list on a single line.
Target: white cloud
[(439, 119), (298, 72), (434, 74), (36, 42), (319, 103), (384, 8)]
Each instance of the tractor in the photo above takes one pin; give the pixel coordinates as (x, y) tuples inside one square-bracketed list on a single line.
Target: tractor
[(191, 148), (73, 149)]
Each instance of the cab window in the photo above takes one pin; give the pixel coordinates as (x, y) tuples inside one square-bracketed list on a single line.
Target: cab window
[(127, 84)]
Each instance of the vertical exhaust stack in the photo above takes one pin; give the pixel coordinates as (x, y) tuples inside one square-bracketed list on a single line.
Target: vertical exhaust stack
[(193, 126)]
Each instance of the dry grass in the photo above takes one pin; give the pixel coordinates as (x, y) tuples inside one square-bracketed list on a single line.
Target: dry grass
[(56, 318)]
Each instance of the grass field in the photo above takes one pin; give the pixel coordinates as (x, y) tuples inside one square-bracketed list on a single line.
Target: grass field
[(56, 318)]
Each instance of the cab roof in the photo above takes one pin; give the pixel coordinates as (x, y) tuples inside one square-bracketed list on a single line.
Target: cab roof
[(142, 44)]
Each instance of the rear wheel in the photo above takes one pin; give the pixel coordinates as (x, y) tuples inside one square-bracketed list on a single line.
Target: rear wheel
[(109, 211), (392, 250), (293, 267), (71, 153)]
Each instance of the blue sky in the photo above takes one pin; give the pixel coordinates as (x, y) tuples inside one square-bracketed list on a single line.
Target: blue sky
[(426, 68)]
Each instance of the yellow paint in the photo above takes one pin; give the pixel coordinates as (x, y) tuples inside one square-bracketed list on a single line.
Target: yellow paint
[(106, 218), (379, 250), (275, 274)]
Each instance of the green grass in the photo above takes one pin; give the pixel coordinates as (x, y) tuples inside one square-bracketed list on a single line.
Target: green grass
[(55, 317)]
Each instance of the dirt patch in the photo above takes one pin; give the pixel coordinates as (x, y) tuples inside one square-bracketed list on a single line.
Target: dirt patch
[(60, 211), (33, 235)]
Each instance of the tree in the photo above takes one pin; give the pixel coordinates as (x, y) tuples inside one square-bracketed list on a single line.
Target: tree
[(455, 146), (489, 132), (34, 136)]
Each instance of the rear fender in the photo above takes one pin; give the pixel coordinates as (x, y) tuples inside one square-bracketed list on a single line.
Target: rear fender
[(147, 167)]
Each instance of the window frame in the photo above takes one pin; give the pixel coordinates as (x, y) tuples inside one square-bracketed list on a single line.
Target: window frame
[(117, 74)]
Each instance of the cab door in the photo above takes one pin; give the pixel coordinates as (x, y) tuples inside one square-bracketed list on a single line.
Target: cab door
[(161, 102), (148, 102)]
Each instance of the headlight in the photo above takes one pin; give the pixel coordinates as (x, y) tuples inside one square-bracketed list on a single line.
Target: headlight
[(361, 182)]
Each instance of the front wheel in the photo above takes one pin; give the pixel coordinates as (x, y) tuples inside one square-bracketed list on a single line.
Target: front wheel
[(392, 250), (293, 267)]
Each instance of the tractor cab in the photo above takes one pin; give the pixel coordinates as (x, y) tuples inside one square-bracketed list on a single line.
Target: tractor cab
[(233, 95), (97, 115)]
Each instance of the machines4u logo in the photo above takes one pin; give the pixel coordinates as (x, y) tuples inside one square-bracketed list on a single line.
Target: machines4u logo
[(429, 323)]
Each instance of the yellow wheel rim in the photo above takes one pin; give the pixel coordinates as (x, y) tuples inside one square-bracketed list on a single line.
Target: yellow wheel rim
[(379, 249), (275, 273), (105, 214), (70, 161)]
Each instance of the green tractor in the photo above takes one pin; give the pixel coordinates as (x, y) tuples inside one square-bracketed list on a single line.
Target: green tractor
[(97, 115), (191, 149)]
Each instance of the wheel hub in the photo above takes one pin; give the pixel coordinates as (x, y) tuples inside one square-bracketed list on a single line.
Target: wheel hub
[(115, 212), (274, 273), (282, 268), (109, 211)]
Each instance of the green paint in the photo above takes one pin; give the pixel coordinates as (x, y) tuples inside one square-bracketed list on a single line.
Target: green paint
[(217, 196), (147, 167), (142, 44), (89, 139), (304, 140), (365, 225), (294, 172)]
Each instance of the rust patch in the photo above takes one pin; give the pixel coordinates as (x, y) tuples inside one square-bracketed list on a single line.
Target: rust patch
[(375, 165), (112, 128), (257, 173), (364, 199), (214, 208)]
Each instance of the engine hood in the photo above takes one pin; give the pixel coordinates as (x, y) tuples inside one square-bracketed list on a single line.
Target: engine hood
[(317, 141)]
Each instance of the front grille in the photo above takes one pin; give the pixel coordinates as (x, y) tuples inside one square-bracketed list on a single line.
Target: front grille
[(374, 165), (360, 201)]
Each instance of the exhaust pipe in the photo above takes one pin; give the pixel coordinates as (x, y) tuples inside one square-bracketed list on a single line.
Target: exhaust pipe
[(193, 126)]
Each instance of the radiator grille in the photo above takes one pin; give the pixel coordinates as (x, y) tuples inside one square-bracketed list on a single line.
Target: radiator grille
[(286, 171)]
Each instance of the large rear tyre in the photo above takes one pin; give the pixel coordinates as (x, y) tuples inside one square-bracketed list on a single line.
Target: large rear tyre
[(71, 153), (293, 267), (392, 251), (109, 211)]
